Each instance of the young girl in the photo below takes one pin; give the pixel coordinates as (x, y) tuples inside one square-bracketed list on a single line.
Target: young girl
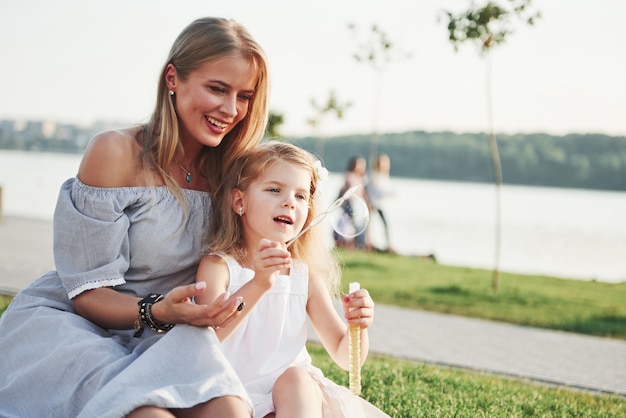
[(267, 199)]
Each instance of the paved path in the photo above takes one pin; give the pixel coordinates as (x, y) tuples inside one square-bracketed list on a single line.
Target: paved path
[(25, 252), (578, 361)]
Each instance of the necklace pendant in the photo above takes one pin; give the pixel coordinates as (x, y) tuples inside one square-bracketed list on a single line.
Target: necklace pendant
[(188, 177)]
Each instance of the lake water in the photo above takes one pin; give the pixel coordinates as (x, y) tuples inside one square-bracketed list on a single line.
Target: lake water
[(568, 233)]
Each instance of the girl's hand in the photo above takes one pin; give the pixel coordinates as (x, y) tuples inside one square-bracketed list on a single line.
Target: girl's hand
[(270, 258), (358, 308), (177, 308)]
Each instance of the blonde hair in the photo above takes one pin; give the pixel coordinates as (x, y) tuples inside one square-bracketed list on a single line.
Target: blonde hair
[(225, 234), (204, 40)]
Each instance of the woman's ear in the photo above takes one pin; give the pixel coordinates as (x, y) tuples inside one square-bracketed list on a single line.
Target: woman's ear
[(171, 77), (237, 201)]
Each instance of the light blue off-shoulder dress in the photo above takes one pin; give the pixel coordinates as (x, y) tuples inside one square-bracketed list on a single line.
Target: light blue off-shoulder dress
[(55, 363)]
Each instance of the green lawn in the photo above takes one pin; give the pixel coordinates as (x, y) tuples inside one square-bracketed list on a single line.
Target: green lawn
[(405, 388), (585, 307)]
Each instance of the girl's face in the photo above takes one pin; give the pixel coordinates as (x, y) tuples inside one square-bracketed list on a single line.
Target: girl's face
[(275, 205), (213, 99)]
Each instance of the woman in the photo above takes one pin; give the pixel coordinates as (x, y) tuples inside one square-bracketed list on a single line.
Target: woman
[(97, 337)]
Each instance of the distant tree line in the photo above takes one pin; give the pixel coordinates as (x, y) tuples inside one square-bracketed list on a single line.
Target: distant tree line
[(67, 146), (587, 161)]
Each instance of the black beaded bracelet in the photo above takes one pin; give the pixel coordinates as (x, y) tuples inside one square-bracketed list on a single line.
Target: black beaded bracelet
[(145, 314)]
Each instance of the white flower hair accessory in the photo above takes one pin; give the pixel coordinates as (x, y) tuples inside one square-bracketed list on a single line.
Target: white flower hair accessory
[(320, 170)]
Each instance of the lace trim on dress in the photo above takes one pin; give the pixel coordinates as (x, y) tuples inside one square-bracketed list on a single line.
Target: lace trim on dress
[(95, 285)]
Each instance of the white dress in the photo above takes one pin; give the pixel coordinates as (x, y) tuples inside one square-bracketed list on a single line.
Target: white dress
[(272, 338)]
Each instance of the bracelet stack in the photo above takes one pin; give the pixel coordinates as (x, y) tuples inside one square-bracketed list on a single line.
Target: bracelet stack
[(145, 315)]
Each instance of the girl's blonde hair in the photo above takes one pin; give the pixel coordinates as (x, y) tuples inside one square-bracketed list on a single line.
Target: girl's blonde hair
[(225, 234), (204, 40)]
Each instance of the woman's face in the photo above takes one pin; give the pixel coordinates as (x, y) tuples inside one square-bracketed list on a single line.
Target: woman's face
[(213, 99)]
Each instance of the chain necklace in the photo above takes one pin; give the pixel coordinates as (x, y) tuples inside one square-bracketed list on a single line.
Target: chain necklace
[(188, 178)]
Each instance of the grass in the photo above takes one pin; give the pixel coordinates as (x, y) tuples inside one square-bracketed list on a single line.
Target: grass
[(585, 307), (404, 388), (4, 302)]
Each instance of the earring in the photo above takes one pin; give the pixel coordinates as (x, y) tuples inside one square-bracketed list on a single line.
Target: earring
[(171, 92), (241, 211)]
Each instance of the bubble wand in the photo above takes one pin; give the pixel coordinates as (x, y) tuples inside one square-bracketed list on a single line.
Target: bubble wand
[(319, 218), (354, 349)]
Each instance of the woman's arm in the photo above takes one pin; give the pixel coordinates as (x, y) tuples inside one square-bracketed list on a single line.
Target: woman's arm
[(108, 161), (111, 309), (113, 159)]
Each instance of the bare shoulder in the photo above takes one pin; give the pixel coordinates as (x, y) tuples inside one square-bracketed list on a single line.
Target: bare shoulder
[(212, 264), (112, 159), (214, 271)]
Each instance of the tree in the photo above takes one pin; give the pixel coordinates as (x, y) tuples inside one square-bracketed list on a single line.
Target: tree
[(274, 122), (377, 51), (488, 26), (332, 106)]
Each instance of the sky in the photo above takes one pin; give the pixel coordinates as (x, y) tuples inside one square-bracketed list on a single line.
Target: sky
[(77, 61)]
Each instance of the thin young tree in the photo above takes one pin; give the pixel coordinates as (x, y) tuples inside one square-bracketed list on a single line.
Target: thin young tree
[(488, 26), (273, 125), (332, 107), (377, 51)]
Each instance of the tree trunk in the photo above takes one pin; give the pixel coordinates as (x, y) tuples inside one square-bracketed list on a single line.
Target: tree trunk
[(497, 176)]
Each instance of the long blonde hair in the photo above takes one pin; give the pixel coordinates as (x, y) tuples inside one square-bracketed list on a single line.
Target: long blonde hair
[(204, 40), (225, 233)]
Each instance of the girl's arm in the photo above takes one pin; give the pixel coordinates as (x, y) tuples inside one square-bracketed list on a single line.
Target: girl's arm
[(111, 309), (331, 329), (268, 260), (214, 276)]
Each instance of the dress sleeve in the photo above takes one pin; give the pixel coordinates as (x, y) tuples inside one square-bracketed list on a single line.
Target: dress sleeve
[(91, 243)]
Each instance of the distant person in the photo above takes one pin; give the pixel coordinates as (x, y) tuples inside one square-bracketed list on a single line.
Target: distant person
[(268, 198), (354, 175), (113, 331), (378, 190)]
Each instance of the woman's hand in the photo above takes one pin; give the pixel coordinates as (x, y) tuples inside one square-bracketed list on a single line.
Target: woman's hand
[(358, 308), (177, 308)]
